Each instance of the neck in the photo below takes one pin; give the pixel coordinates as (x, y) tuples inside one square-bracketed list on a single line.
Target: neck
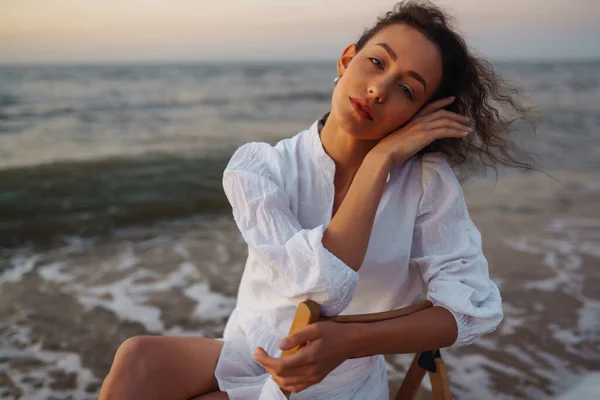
[(347, 151)]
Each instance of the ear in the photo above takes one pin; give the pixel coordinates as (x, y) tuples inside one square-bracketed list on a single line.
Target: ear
[(344, 60)]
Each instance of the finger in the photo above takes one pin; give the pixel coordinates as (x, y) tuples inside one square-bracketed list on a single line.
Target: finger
[(290, 366), (298, 382), (447, 123), (294, 381), (300, 338), (303, 358), (264, 359), (445, 114), (297, 388), (441, 133), (435, 105)]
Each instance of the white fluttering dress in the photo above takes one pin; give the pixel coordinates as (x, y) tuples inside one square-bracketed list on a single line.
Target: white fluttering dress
[(422, 241)]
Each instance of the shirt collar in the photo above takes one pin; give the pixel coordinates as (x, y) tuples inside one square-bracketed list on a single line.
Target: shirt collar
[(316, 146), (317, 149)]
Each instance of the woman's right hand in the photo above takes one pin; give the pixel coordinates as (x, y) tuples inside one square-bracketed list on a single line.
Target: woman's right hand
[(429, 124)]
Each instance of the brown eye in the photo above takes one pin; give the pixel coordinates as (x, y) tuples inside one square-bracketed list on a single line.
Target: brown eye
[(406, 90), (376, 62)]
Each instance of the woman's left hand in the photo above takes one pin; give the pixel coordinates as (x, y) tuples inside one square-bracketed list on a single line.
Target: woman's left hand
[(328, 346)]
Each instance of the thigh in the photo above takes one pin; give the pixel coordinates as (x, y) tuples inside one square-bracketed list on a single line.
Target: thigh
[(182, 367), (212, 396)]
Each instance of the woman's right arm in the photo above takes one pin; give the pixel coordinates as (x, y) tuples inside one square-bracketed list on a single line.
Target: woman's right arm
[(318, 263), (348, 233)]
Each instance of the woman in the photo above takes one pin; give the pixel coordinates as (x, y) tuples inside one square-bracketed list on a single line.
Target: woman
[(361, 213)]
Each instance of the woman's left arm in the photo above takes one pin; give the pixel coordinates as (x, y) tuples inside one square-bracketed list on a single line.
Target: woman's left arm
[(332, 343), (447, 251), (429, 329)]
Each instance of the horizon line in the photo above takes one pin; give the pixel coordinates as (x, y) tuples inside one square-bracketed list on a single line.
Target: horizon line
[(115, 62)]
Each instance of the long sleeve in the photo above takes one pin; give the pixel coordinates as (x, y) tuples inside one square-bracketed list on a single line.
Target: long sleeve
[(447, 250), (297, 263)]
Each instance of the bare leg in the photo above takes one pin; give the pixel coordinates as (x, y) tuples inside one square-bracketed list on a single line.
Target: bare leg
[(212, 396), (163, 368)]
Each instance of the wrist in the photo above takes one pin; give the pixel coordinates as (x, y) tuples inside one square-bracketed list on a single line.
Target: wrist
[(357, 336), (381, 161)]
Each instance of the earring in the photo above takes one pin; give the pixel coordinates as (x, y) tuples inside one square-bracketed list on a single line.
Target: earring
[(336, 80)]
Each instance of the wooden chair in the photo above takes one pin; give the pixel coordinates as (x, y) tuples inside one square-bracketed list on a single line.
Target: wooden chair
[(309, 312)]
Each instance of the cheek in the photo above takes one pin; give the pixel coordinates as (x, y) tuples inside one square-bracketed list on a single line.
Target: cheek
[(400, 113), (335, 99), (340, 95)]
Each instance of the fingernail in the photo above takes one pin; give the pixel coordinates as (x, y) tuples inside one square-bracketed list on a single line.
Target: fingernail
[(469, 129), (452, 98), (283, 345)]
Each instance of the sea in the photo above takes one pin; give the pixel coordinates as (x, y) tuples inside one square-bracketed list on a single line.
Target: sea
[(113, 221)]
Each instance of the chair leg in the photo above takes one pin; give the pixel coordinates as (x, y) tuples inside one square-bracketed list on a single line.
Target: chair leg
[(412, 381), (440, 385)]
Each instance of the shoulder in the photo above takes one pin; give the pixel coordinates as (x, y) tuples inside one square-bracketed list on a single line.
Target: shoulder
[(267, 160), (255, 157), (437, 172), (440, 187), (256, 161)]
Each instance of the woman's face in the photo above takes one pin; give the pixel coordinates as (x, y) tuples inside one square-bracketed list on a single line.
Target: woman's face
[(395, 73)]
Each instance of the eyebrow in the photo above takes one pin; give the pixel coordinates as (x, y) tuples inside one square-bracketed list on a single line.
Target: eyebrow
[(394, 57)]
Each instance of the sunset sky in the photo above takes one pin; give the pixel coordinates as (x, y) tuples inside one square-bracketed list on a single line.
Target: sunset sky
[(92, 31)]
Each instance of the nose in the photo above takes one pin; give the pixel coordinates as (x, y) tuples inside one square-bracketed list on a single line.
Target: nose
[(377, 90)]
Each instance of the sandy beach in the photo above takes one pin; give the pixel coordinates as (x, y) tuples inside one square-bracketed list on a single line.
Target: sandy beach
[(63, 313)]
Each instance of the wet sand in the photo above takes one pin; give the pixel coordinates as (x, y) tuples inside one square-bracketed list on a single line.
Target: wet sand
[(64, 312)]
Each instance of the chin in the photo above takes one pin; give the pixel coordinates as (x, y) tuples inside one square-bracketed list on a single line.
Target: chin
[(350, 123), (360, 129)]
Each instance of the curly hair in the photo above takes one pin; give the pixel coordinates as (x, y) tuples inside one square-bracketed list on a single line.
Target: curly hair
[(493, 105)]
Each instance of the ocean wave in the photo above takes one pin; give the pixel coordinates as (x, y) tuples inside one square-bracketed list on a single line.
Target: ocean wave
[(8, 99), (13, 110), (316, 96), (41, 203), (48, 111)]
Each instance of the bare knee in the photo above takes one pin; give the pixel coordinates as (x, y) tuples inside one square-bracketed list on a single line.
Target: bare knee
[(132, 365), (135, 356)]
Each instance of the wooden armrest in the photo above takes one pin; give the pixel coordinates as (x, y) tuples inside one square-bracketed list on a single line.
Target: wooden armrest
[(309, 312), (380, 316)]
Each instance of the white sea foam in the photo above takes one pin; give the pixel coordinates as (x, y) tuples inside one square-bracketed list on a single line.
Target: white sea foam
[(211, 305), (513, 319), (36, 382), (587, 387), (125, 303), (574, 239), (120, 282), (54, 272), (127, 298), (128, 259), (20, 265)]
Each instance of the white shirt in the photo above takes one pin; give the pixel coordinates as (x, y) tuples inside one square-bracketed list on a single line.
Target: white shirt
[(422, 240)]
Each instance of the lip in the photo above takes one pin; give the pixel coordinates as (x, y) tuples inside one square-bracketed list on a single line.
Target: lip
[(362, 108)]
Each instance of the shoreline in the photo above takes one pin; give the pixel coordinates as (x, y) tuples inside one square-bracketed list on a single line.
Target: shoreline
[(542, 242)]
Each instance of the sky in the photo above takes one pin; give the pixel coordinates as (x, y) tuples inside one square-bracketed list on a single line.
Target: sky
[(106, 31)]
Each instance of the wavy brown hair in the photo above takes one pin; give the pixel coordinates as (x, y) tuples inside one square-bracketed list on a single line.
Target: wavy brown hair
[(493, 105)]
